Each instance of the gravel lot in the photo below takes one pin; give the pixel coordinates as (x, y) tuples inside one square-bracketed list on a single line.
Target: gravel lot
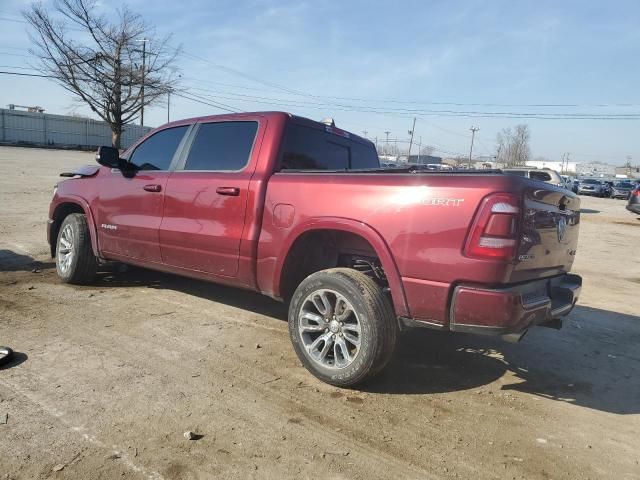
[(109, 377)]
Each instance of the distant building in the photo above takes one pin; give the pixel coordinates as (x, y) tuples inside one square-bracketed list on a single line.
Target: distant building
[(628, 171), (557, 166), (595, 169)]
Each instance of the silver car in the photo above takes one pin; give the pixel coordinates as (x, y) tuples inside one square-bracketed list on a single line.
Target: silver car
[(543, 174), (591, 186)]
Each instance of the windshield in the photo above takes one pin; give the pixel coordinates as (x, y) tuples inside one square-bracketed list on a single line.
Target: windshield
[(623, 185), (591, 182)]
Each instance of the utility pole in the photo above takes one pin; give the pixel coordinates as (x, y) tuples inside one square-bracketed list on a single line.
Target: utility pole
[(419, 148), (411, 140), (387, 143), (365, 133), (144, 58), (473, 136)]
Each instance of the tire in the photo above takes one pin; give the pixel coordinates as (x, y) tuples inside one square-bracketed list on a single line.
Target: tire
[(361, 324), (75, 261), (5, 355)]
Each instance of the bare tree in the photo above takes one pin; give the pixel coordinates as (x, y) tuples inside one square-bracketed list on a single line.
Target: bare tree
[(107, 66), (513, 146), (427, 150)]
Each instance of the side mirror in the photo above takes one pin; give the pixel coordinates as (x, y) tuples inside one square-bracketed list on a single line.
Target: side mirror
[(108, 157)]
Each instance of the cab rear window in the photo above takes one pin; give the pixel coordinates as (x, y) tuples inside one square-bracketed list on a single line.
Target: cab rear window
[(307, 148)]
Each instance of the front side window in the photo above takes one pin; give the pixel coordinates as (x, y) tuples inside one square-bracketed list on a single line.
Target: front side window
[(222, 146), (157, 151)]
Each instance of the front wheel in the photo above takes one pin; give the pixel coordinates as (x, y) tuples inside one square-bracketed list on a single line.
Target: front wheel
[(75, 261), (342, 326)]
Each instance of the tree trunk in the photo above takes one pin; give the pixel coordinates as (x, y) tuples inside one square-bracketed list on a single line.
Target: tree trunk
[(116, 133)]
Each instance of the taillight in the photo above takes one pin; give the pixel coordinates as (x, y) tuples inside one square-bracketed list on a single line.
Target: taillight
[(494, 233), (636, 192)]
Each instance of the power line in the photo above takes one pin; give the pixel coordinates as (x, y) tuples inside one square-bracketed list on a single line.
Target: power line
[(411, 112), (204, 102), (26, 74), (408, 111), (395, 100), (438, 113)]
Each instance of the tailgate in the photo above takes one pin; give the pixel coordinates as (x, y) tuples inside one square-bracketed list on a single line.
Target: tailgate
[(549, 238)]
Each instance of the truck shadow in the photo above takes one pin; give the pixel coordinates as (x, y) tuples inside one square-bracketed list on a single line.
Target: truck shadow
[(592, 362), (16, 359), (11, 261), (235, 297)]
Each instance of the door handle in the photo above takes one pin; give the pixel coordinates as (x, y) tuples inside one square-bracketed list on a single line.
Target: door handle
[(231, 191), (152, 188)]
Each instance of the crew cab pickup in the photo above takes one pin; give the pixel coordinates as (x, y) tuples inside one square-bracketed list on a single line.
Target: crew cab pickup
[(302, 211)]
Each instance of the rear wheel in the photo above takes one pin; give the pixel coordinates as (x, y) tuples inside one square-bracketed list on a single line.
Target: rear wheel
[(342, 326), (75, 261)]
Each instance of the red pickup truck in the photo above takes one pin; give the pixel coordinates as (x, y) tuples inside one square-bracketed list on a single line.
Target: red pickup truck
[(301, 211)]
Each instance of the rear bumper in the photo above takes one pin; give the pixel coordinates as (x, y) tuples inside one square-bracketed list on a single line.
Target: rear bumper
[(513, 309), (634, 208)]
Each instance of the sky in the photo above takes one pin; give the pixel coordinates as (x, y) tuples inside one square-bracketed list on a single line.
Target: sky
[(374, 65)]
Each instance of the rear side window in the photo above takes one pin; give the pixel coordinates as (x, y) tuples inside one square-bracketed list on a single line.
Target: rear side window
[(222, 146), (308, 148), (157, 151)]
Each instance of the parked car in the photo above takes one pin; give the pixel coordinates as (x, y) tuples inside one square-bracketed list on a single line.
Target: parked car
[(302, 212), (542, 174), (633, 205), (622, 190), (567, 181), (608, 187), (574, 186), (591, 186)]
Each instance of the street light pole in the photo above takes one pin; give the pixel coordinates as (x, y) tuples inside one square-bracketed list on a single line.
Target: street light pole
[(473, 135)]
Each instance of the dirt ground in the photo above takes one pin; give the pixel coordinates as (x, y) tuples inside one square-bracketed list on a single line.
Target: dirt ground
[(109, 377)]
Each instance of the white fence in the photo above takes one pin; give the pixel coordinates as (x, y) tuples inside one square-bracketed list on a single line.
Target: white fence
[(32, 128)]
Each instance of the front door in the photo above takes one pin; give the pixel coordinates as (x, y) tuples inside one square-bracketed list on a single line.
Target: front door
[(129, 207), (206, 199)]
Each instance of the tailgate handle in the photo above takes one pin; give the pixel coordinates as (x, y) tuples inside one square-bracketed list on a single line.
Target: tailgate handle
[(152, 188), (230, 191)]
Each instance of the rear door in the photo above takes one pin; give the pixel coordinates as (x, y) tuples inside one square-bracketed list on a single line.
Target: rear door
[(129, 206), (206, 198)]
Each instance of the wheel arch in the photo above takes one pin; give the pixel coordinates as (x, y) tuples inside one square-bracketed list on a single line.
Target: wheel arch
[(65, 207), (345, 229)]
